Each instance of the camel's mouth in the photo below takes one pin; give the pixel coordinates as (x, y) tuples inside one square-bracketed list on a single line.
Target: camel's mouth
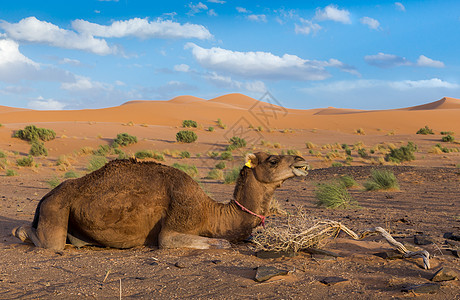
[(300, 168)]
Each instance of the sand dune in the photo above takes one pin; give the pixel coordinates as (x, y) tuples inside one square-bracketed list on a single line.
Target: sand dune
[(439, 115)]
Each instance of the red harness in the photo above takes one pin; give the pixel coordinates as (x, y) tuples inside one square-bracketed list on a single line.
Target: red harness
[(262, 218)]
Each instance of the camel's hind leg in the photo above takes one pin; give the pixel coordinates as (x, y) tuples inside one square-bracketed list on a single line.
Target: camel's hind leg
[(51, 231), (172, 239)]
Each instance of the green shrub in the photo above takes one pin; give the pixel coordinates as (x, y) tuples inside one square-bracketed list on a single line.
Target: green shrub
[(96, 162), (442, 148), (211, 129), (381, 180), (103, 150), (448, 138), (213, 154), (333, 195), (54, 182), (121, 154), (363, 153), (38, 149), (336, 164), (189, 123), (71, 174), (143, 154), (425, 130), (226, 155), (186, 136), (221, 165), (10, 172), (25, 162), (447, 133), (293, 152), (124, 139), (404, 153), (221, 124), (185, 154), (215, 174), (235, 143), (32, 133), (232, 175), (2, 154), (347, 181), (191, 170)]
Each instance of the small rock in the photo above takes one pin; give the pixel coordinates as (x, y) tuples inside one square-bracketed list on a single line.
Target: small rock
[(445, 274), (451, 236), (333, 280), (180, 265), (422, 240), (425, 288), (389, 255), (216, 261), (264, 273), (455, 253), (274, 254)]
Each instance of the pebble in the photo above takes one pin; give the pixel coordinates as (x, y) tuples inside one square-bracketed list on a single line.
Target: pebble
[(445, 274), (264, 273), (180, 265), (425, 288), (422, 240)]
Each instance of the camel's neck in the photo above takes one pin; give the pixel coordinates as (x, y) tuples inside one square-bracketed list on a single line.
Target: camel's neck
[(229, 220)]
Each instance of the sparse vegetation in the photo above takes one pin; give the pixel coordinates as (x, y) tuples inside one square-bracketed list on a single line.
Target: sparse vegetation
[(336, 164), (95, 163), (447, 133), (123, 140), (210, 129), (33, 133), (215, 174), (191, 170), (185, 154), (360, 131), (333, 195), (103, 150), (310, 145), (71, 174), (226, 155), (293, 152), (189, 123), (232, 175), (143, 154), (221, 124), (25, 162), (2, 154), (186, 136), (425, 130), (54, 182), (403, 153), (38, 149), (381, 180), (347, 181), (235, 143), (448, 138), (10, 172), (363, 153), (221, 165)]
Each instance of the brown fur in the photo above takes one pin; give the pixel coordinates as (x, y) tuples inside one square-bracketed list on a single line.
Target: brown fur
[(129, 203)]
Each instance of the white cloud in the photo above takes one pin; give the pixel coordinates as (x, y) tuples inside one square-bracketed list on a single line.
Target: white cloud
[(383, 60), (182, 68), (258, 18), (371, 23), (46, 104), (212, 13), (142, 28), (217, 1), (229, 83), (307, 27), (14, 66), (333, 13), (242, 10), (70, 61), (85, 84), (400, 6), (196, 8), (424, 61), (263, 64), (423, 84), (33, 30), (107, 0)]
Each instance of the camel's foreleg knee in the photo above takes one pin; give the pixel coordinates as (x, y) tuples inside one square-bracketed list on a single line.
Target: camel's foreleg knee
[(27, 234), (172, 239)]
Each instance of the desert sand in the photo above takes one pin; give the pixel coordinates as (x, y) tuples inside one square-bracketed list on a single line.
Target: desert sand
[(427, 202)]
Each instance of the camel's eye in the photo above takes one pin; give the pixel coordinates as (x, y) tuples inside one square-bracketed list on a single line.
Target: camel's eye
[(273, 162)]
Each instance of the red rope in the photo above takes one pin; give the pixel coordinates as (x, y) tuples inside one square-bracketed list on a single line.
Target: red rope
[(262, 218)]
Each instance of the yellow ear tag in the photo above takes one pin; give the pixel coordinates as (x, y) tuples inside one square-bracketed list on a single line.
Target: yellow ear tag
[(248, 164)]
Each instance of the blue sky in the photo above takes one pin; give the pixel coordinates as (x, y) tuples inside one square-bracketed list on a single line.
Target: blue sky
[(307, 54)]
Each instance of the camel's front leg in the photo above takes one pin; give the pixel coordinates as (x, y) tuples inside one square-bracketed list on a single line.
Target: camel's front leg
[(172, 239)]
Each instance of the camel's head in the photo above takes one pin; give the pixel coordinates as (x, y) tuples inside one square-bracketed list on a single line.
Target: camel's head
[(275, 168)]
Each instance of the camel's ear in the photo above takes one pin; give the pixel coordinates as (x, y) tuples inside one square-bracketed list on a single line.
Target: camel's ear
[(251, 160)]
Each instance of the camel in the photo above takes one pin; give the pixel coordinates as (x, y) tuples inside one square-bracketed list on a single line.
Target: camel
[(128, 203)]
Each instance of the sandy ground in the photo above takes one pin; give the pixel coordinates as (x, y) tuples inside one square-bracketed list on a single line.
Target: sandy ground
[(427, 204)]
